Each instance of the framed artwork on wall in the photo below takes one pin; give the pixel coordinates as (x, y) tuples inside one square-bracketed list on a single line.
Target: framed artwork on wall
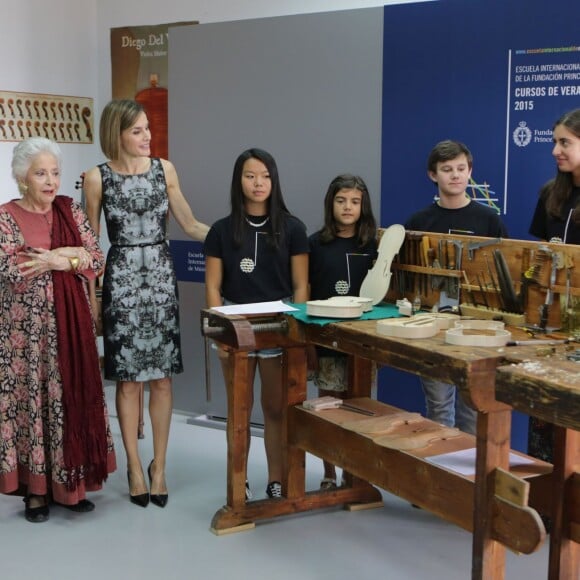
[(64, 119)]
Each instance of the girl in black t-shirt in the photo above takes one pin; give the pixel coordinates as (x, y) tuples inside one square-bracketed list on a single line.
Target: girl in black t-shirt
[(341, 254), (557, 218), (259, 253), (557, 214)]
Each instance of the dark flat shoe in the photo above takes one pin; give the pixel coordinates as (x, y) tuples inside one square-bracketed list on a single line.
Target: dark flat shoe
[(36, 515), (82, 507), (159, 499)]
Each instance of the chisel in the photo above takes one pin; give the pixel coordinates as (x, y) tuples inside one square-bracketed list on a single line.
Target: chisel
[(483, 293)]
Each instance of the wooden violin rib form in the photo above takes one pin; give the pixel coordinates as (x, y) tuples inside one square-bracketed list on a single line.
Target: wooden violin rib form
[(337, 307), (376, 283)]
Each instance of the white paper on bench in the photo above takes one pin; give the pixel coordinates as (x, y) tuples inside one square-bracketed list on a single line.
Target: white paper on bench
[(463, 461), (255, 308)]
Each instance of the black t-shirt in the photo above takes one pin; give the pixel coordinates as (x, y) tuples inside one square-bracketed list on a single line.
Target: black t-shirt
[(546, 227), (473, 219), (338, 268), (256, 271)]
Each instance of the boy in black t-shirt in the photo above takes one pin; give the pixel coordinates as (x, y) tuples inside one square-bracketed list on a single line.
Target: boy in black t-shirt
[(449, 166)]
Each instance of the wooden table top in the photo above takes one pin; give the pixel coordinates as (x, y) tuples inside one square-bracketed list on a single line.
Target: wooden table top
[(556, 391), (548, 388)]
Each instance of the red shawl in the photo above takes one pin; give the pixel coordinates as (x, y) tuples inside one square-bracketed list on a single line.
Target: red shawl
[(85, 431)]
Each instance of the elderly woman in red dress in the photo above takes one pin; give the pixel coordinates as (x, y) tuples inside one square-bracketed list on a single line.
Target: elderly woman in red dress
[(55, 441)]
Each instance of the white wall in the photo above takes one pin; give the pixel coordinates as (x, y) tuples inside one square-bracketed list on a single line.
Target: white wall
[(62, 47), (49, 47)]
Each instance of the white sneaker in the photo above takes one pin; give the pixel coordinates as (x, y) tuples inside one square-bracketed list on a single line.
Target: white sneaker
[(274, 489)]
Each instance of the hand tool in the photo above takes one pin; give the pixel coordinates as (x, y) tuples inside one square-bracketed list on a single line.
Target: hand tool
[(454, 256), (505, 283), (495, 284), (425, 248), (469, 289), (539, 342), (549, 294), (354, 409), (407, 258), (472, 246), (569, 315), (419, 261), (529, 278), (418, 321), (452, 286), (446, 301), (458, 261), (437, 281), (483, 293), (328, 402), (402, 259)]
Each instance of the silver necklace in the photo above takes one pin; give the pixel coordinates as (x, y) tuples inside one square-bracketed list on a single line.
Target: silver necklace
[(258, 225)]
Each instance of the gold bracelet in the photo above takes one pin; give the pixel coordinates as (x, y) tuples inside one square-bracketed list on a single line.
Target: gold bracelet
[(74, 263)]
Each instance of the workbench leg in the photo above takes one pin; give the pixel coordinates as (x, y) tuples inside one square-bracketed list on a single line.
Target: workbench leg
[(238, 425), (493, 447), (361, 374), (294, 459), (564, 552)]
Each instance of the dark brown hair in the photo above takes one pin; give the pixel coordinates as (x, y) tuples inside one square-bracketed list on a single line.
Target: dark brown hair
[(557, 191), (446, 151), (366, 226)]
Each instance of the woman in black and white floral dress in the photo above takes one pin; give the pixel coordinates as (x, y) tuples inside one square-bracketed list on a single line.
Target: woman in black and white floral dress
[(140, 302)]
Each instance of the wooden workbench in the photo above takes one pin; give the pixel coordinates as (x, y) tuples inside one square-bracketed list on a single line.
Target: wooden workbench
[(496, 519), (549, 388), (499, 505), (479, 504), (239, 336)]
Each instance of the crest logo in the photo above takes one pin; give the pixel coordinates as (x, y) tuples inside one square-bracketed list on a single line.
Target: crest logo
[(522, 135)]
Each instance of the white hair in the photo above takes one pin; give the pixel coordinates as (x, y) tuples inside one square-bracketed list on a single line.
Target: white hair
[(25, 152)]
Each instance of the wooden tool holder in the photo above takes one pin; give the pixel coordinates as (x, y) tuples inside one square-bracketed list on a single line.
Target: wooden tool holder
[(543, 276)]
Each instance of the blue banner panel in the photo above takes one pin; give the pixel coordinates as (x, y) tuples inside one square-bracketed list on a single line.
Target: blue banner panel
[(543, 84), (189, 260), (449, 72)]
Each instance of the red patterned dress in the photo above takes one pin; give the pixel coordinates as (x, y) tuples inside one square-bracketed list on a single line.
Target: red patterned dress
[(31, 402)]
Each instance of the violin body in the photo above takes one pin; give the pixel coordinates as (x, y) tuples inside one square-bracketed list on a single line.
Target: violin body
[(377, 281)]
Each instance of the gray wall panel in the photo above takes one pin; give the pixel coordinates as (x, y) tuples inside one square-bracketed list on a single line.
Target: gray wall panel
[(307, 88)]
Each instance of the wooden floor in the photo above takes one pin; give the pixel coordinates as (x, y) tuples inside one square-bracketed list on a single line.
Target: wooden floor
[(120, 540)]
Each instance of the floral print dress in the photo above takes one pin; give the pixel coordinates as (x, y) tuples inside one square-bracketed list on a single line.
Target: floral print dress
[(31, 407), (140, 301)]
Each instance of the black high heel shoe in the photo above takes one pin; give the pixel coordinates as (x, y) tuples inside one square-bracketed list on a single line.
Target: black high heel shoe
[(142, 500), (38, 514), (159, 500)]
